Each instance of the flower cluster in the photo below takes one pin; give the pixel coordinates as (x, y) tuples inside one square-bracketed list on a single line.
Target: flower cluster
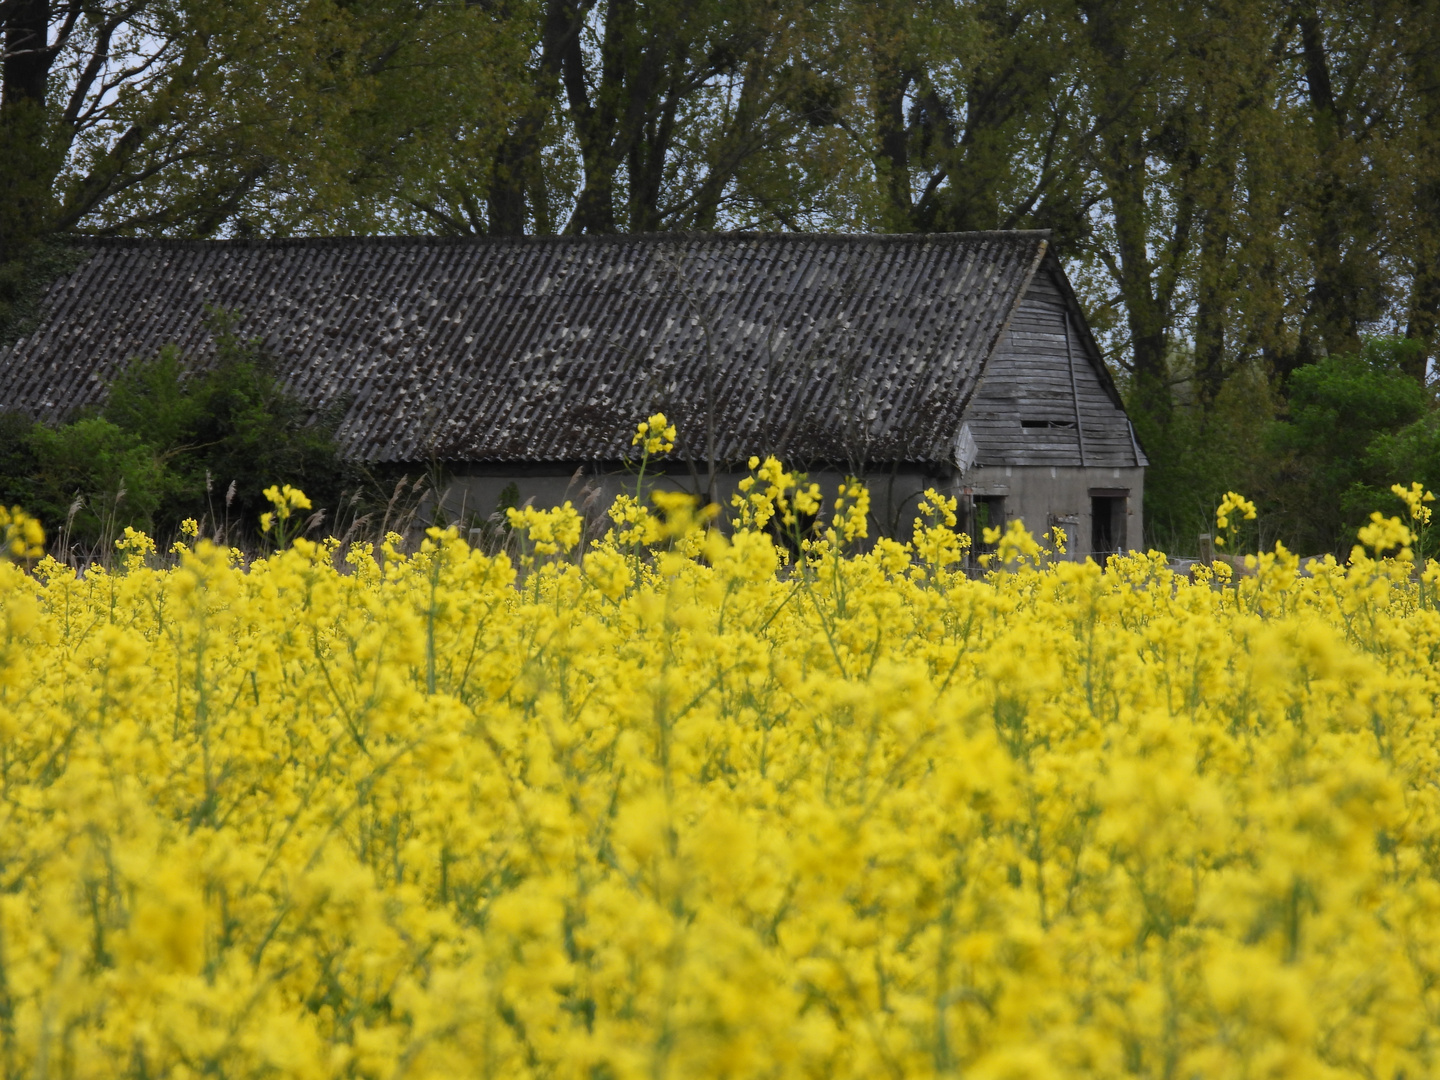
[(286, 500), (549, 532), (655, 435), (852, 511), (1232, 504), (636, 524), (772, 493), (689, 812), (1384, 534), (936, 543), (134, 547), (21, 536), (1415, 498)]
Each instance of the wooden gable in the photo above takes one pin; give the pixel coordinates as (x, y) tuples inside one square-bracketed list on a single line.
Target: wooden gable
[(1044, 397)]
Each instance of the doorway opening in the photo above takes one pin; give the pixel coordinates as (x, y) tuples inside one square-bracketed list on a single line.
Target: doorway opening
[(1107, 524), (986, 512)]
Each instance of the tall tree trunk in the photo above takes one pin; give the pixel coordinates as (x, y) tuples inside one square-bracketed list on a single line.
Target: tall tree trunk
[(1123, 163), (647, 164), (516, 175), (27, 165), (510, 183), (596, 120), (1145, 310), (1348, 280), (1326, 326), (1213, 277), (892, 79), (1422, 35)]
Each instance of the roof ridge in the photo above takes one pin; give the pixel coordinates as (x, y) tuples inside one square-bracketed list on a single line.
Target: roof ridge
[(599, 239)]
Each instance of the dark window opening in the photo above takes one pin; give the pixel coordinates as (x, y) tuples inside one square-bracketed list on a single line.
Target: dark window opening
[(1107, 526), (1048, 424)]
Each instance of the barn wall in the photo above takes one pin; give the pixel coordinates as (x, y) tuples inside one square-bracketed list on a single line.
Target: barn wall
[(1042, 496), (893, 495), (1034, 377)]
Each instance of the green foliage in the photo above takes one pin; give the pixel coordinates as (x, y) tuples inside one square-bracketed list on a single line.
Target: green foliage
[(1412, 453), (1355, 420), (1201, 454), (1402, 457), (1341, 404), (168, 444), (24, 281), (109, 476), (18, 465), (172, 116), (1317, 463), (234, 423), (148, 400)]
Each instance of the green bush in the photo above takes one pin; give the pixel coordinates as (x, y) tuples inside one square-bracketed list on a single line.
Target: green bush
[(234, 423), (1358, 423), (1317, 459), (1203, 453), (117, 477), (18, 466), (148, 399), (168, 443)]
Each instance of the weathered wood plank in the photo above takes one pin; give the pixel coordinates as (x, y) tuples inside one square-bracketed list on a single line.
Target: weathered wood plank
[(1011, 387), (1039, 368)]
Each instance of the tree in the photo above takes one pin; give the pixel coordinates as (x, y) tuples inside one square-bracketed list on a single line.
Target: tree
[(642, 117), (190, 117), (233, 423), (967, 113), (1418, 216), (1352, 417)]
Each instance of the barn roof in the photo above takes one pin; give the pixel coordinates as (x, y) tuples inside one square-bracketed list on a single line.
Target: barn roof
[(844, 349)]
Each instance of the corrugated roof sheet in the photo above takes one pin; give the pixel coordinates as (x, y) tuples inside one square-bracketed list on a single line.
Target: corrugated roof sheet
[(845, 349)]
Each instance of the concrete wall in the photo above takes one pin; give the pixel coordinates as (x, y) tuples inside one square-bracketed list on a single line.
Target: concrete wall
[(893, 496), (1039, 495), (1044, 495)]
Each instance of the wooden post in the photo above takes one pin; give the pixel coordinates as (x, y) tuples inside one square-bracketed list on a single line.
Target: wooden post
[(1207, 550), (1075, 392)]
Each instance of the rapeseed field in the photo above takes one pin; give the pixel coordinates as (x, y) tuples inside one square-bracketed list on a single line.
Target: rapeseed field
[(697, 803)]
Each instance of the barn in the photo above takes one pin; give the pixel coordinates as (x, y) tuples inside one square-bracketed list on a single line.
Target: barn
[(959, 361)]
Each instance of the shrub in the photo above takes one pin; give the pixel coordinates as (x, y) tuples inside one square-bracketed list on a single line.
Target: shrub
[(235, 423), (116, 476), (1339, 447), (17, 460), (168, 438)]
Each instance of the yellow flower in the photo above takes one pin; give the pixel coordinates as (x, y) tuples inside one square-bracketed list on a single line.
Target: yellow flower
[(656, 435), (1415, 497), (286, 499), (550, 532), (1386, 534), (135, 546), (690, 809), (21, 536), (854, 501), (1233, 504)]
